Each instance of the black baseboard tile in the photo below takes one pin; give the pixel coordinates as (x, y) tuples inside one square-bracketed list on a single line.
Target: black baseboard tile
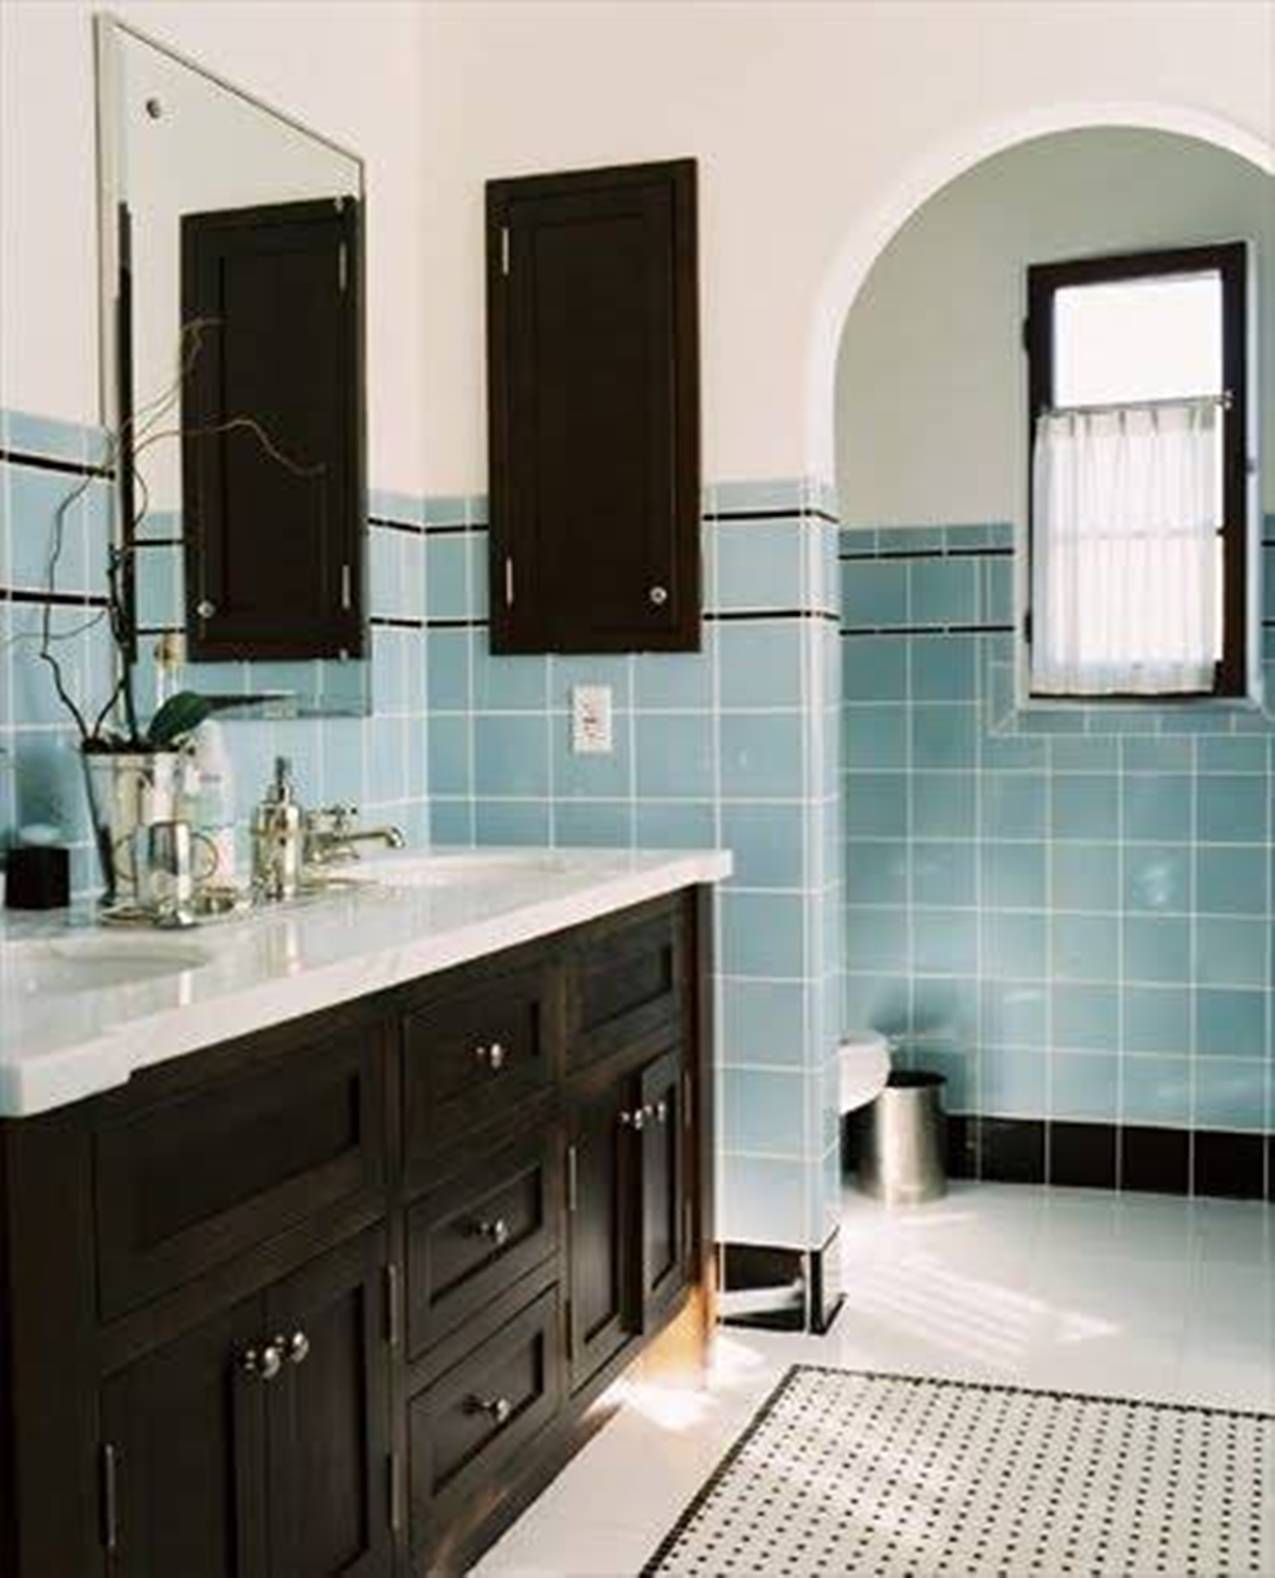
[(962, 1146), (827, 1293), (1082, 1155), (1155, 1161), (1011, 1150), (1232, 1166), (1203, 1162), (748, 1266)]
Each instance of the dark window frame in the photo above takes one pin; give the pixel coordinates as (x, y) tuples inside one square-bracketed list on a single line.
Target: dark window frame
[(1230, 261)]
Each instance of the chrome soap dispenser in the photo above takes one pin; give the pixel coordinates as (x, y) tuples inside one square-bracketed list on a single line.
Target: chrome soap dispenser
[(277, 837)]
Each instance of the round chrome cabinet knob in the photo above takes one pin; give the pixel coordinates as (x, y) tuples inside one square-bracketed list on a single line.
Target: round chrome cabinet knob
[(658, 596)]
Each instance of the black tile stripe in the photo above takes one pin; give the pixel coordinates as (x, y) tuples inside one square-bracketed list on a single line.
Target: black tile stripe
[(927, 630), (796, 513), (396, 622), (17, 594), (927, 553), (734, 615), (70, 468)]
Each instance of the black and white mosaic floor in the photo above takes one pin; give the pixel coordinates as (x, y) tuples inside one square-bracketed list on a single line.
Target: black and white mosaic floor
[(847, 1472)]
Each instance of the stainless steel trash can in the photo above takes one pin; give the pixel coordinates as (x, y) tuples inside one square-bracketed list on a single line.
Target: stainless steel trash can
[(902, 1156)]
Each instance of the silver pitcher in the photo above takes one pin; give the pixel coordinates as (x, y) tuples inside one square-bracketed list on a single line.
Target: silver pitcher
[(129, 791)]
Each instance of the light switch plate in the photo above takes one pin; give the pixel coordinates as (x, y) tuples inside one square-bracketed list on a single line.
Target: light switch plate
[(591, 733)]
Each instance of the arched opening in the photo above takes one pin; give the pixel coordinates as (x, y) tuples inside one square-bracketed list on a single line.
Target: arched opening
[(929, 174), (1034, 893)]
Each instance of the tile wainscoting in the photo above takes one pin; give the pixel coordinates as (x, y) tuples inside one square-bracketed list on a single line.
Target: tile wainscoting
[(735, 745), (1066, 912)]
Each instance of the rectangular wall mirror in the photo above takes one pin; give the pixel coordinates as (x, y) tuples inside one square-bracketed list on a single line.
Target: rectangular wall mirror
[(231, 254)]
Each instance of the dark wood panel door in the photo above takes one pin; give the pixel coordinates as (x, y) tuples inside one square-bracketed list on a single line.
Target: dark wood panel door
[(664, 1198), (186, 1183), (272, 412), (332, 1497), (602, 1197), (594, 410), (183, 1456)]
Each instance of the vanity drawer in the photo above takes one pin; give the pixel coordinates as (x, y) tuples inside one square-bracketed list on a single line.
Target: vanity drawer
[(625, 981), (474, 1056), (477, 1417), (186, 1183), (474, 1235)]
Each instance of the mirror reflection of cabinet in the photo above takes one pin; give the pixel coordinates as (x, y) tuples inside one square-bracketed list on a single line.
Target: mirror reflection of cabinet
[(272, 538), (232, 373)]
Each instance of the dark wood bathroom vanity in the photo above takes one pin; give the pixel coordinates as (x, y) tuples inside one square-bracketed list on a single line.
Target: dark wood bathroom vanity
[(342, 1295)]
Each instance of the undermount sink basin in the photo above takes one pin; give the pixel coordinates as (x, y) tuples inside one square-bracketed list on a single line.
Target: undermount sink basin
[(90, 964)]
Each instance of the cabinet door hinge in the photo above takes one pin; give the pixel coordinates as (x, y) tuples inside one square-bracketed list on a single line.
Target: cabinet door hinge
[(110, 1497), (504, 250), (346, 587), (509, 582), (343, 268), (395, 1492), (573, 1179), (1027, 626), (392, 1332)]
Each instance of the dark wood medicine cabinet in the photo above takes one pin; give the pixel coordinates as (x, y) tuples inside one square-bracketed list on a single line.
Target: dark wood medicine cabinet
[(593, 409)]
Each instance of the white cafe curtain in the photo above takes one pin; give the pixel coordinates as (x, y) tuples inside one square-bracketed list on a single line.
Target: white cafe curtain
[(1126, 556)]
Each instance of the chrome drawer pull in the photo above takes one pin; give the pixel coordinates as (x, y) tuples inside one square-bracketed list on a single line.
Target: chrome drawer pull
[(661, 1111), (493, 1056), (263, 1365), (497, 1408), (497, 1231), (297, 1347)]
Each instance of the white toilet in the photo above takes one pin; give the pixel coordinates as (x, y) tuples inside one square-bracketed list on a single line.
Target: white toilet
[(865, 1067)]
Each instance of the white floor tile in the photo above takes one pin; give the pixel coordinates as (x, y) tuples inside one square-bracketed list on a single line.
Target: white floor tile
[(1072, 1290)]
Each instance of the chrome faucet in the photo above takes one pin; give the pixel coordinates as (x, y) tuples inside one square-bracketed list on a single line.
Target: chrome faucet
[(329, 836)]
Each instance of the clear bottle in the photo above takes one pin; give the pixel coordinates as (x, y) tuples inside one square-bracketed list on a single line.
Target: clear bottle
[(215, 799)]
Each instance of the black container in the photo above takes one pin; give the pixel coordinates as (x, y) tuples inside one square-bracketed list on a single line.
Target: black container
[(38, 877)]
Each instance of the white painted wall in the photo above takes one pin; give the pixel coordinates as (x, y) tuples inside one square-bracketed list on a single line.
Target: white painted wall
[(931, 396), (349, 68), (809, 118)]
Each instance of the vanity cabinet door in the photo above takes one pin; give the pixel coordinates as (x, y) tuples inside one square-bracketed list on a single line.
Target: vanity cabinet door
[(664, 1196), (183, 1457), (602, 1180), (258, 1445), (332, 1499)]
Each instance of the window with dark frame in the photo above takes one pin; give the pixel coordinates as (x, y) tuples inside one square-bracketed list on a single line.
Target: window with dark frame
[(1144, 336)]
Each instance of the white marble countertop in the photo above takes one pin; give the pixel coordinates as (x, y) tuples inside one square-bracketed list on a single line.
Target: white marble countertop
[(82, 1006)]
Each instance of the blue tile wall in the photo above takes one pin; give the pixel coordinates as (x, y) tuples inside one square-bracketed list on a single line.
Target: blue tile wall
[(1068, 912)]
